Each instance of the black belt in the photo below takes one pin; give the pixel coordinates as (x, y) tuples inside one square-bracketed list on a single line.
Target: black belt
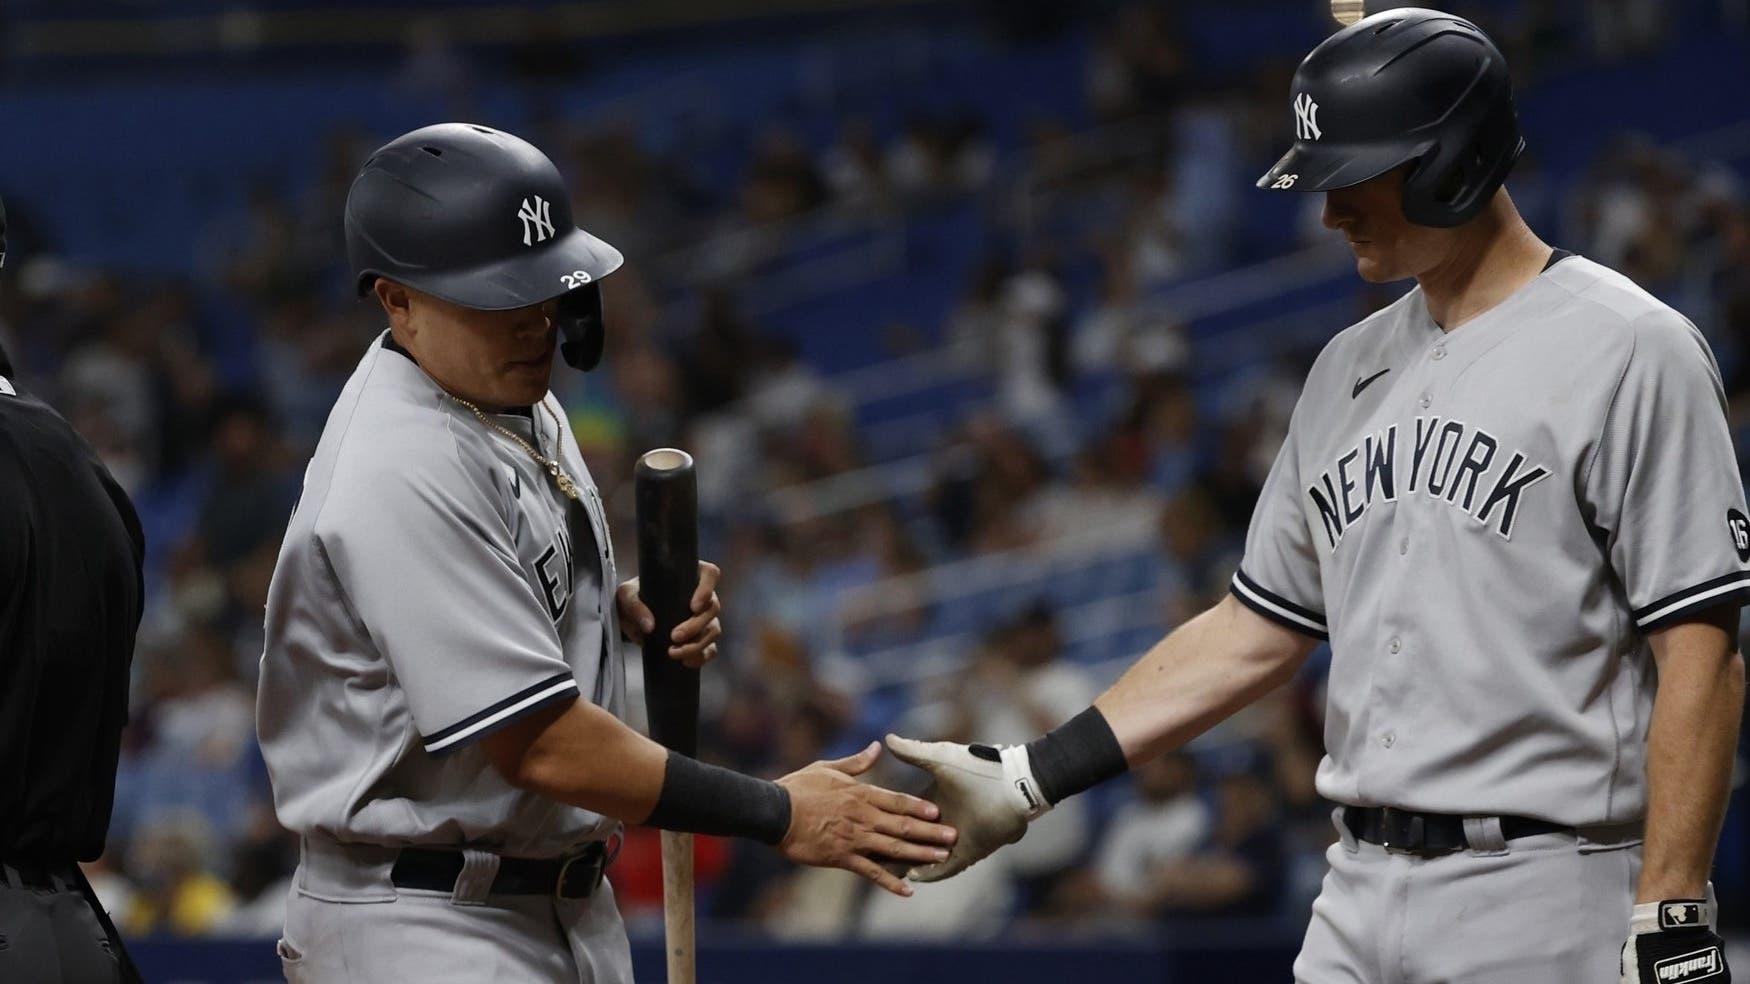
[(573, 877), (1430, 833)]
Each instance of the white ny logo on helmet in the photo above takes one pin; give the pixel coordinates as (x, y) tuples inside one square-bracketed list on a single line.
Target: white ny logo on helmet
[(537, 221), (1306, 118)]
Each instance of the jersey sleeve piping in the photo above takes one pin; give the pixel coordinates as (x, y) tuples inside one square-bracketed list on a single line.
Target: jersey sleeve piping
[(1733, 588), (1279, 609), (552, 690)]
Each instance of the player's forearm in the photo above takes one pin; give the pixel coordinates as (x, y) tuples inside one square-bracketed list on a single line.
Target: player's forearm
[(583, 756), (1199, 674), (1689, 755), (1208, 668), (586, 757)]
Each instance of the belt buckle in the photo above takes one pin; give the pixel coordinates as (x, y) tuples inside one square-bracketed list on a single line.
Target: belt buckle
[(1400, 832)]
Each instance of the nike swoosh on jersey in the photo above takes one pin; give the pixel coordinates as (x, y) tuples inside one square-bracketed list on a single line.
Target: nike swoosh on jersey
[(1361, 384)]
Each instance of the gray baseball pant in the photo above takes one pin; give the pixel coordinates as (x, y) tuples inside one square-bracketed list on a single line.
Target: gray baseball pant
[(1547, 909), (349, 925)]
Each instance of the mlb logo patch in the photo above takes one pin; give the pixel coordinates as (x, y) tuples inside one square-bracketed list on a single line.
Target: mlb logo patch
[(1684, 914)]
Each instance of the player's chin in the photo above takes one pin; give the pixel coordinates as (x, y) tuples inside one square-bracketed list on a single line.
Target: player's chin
[(1373, 269), (527, 381)]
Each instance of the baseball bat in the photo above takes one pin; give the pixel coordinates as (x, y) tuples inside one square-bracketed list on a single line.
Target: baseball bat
[(667, 497)]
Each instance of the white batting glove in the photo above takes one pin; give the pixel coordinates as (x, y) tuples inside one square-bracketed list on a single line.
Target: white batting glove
[(986, 793), (1674, 942)]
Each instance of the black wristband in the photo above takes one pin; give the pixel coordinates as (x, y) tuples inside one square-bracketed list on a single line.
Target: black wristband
[(1078, 754), (704, 799)]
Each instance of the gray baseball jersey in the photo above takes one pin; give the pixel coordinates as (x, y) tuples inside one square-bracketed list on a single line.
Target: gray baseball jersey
[(433, 586), (1486, 523)]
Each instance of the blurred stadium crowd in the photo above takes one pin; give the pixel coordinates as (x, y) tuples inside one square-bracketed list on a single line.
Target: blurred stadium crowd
[(975, 568)]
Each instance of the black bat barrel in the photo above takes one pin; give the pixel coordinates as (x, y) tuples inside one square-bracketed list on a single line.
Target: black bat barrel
[(668, 573)]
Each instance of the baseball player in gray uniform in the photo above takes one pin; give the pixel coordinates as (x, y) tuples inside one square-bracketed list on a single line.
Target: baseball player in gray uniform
[(441, 688), (1510, 503)]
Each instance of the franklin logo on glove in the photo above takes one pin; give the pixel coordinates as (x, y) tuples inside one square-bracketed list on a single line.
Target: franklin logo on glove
[(1695, 966)]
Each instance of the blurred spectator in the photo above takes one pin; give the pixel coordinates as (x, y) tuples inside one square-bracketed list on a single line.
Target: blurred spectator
[(1197, 552), (434, 65), (1097, 503), (721, 340), (109, 384), (1239, 871), (180, 893), (112, 888), (207, 719), (976, 904), (985, 477), (1157, 439), (643, 203), (261, 881), (1165, 824), (783, 388), (256, 252), (306, 357), (1138, 65), (899, 605), (972, 160), (252, 486), (652, 399), (973, 326), (1156, 241), (936, 158), (854, 170), (1019, 687), (919, 165), (1623, 28), (782, 182), (1031, 354), (790, 902), (1124, 333), (201, 758)]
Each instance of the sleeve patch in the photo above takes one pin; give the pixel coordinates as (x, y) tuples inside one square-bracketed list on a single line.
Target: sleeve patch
[(1738, 526)]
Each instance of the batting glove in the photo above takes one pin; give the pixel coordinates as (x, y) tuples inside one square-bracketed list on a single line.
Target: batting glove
[(986, 793), (1673, 942)]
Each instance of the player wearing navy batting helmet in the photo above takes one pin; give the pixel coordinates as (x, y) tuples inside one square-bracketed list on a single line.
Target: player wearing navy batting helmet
[(1510, 503), (441, 686)]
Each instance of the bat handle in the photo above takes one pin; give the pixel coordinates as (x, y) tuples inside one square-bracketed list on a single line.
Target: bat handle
[(677, 906)]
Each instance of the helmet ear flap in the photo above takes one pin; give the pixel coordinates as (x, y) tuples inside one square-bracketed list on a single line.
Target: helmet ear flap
[(582, 333), (1452, 185), (1439, 187)]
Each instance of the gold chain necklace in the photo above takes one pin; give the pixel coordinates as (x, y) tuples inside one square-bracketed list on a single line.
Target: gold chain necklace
[(562, 480)]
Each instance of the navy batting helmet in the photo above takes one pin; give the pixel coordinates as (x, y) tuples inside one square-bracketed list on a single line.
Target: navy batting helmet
[(479, 218), (1405, 86)]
